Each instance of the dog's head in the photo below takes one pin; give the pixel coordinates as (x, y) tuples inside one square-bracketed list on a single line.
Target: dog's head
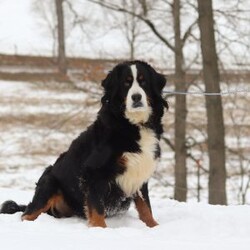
[(133, 89)]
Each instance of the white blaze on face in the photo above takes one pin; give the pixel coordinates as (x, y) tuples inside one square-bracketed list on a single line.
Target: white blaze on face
[(137, 108)]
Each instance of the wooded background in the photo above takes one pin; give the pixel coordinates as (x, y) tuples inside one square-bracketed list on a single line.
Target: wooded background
[(198, 46)]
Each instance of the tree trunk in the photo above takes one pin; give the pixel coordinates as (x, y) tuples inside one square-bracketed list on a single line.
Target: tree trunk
[(215, 126), (180, 192), (62, 64)]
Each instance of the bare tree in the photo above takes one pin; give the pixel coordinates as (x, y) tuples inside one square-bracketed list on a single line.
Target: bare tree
[(45, 12), (215, 126), (62, 64), (238, 153), (131, 31), (129, 25), (180, 110), (242, 159), (233, 49)]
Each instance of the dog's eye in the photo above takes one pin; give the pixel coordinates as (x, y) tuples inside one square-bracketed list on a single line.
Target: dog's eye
[(127, 84), (141, 80)]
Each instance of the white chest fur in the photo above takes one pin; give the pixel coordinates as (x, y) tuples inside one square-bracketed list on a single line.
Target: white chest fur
[(139, 166)]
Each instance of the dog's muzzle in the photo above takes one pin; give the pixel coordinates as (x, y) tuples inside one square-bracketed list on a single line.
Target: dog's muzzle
[(137, 103)]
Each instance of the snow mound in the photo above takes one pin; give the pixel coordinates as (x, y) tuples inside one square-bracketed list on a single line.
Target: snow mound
[(182, 225)]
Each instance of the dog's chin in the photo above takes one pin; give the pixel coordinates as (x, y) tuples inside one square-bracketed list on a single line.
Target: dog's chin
[(138, 115)]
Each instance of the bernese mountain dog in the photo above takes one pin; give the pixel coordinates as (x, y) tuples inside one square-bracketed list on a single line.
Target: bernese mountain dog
[(107, 166)]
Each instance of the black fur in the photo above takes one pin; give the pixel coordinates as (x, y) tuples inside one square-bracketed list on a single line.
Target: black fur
[(85, 174)]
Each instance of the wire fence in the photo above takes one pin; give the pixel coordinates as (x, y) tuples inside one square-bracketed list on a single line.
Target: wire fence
[(222, 93)]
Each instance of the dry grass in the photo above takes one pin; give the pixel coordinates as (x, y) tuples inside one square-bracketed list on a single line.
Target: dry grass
[(45, 132)]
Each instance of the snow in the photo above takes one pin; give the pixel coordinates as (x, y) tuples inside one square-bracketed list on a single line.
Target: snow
[(182, 225)]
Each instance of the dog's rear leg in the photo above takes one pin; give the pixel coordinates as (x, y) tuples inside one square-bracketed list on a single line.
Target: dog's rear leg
[(45, 196)]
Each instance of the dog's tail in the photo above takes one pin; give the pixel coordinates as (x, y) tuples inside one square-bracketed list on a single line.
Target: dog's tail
[(11, 207)]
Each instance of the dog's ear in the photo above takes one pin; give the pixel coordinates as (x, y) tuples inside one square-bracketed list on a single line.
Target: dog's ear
[(107, 81), (160, 82), (111, 79)]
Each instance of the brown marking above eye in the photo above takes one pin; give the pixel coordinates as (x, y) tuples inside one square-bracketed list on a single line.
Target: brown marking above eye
[(141, 80)]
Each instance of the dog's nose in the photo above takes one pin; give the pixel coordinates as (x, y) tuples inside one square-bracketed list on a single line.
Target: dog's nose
[(136, 97)]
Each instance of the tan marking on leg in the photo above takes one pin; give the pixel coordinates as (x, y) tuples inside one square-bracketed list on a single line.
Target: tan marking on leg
[(94, 218), (34, 215), (55, 201), (61, 207), (145, 213)]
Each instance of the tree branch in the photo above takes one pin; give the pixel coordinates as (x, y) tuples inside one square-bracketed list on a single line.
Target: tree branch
[(188, 32), (149, 23)]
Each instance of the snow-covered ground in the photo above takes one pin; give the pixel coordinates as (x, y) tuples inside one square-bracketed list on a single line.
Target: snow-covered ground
[(182, 226)]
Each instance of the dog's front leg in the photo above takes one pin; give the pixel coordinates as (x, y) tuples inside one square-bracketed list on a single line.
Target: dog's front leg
[(95, 217), (95, 207), (143, 207)]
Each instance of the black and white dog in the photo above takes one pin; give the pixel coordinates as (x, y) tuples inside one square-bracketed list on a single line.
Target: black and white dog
[(109, 164)]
